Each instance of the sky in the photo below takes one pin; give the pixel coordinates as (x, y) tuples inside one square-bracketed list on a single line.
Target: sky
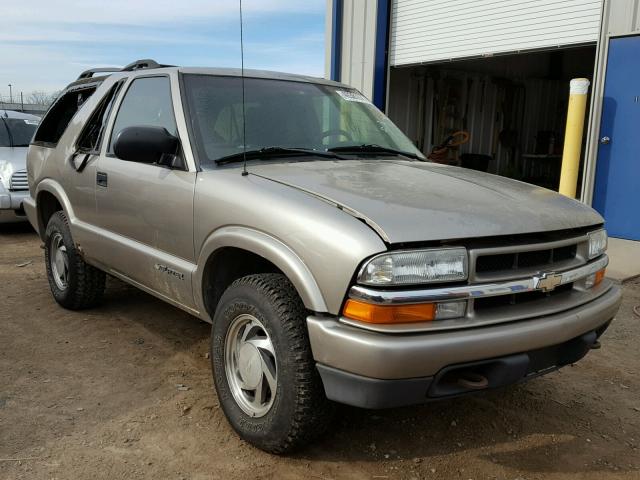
[(45, 44)]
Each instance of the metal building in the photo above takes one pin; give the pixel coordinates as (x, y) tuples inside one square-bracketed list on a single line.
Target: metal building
[(499, 71)]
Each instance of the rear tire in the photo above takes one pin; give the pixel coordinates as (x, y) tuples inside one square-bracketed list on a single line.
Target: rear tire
[(263, 369), (74, 284)]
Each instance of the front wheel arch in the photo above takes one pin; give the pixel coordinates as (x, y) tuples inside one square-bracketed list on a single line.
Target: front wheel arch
[(226, 265), (272, 256)]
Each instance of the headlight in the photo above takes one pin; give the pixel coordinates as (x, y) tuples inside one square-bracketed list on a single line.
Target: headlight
[(597, 243), (415, 267)]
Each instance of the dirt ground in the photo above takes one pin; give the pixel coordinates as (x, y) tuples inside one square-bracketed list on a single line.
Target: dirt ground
[(92, 395)]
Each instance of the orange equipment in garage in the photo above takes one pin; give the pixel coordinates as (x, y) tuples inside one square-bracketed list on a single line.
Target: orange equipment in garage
[(440, 153)]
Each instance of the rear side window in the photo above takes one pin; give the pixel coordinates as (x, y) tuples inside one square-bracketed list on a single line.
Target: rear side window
[(91, 137), (147, 102), (5, 141), (20, 131), (58, 117)]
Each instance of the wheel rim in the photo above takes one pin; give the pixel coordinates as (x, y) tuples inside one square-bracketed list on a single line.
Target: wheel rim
[(250, 365), (59, 262)]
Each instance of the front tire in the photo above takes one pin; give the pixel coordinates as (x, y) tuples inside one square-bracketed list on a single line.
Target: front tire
[(263, 369), (74, 284)]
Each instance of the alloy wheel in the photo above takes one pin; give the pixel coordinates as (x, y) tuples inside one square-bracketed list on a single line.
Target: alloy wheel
[(250, 365)]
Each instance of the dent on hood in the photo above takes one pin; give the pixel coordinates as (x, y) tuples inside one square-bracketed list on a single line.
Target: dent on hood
[(345, 208)]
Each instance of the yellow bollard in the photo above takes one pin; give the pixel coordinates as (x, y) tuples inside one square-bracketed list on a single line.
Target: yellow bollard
[(573, 136)]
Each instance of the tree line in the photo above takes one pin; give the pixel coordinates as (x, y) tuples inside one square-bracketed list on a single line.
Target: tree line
[(36, 97)]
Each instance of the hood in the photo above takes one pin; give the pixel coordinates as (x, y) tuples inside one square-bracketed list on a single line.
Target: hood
[(417, 201), (12, 159)]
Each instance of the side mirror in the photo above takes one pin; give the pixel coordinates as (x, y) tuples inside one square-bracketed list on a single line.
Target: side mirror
[(146, 144)]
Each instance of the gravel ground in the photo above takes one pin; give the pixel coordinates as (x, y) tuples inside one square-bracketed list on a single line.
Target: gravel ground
[(95, 394)]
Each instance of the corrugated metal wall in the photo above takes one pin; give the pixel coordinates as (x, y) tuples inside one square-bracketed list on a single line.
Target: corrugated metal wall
[(405, 106), (413, 93), (359, 44), (439, 30), (622, 17)]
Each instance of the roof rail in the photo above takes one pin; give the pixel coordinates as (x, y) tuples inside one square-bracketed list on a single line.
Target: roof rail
[(137, 65), (143, 64), (90, 73)]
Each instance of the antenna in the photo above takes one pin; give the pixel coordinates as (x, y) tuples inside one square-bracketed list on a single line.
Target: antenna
[(244, 118)]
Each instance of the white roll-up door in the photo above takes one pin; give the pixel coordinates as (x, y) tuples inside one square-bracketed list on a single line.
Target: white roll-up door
[(425, 31)]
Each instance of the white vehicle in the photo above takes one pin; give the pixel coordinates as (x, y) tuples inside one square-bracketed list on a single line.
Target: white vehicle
[(16, 131)]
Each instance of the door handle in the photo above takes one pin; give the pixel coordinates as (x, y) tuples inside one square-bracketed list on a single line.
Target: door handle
[(605, 140), (101, 179)]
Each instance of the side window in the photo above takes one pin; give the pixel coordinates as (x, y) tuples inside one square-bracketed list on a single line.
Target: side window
[(147, 102), (60, 114), (91, 137)]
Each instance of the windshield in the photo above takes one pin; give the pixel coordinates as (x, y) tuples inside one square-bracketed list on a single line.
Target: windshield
[(16, 132), (282, 113)]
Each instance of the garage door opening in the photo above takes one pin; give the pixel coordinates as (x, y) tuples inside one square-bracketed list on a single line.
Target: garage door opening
[(511, 108)]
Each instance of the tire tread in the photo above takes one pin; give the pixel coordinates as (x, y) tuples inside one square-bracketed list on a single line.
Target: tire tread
[(312, 411), (88, 281)]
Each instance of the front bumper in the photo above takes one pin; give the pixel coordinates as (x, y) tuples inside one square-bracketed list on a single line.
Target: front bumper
[(413, 359), (29, 206), (11, 205)]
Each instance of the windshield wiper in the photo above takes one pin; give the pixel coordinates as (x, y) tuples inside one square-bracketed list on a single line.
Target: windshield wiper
[(373, 148), (267, 152)]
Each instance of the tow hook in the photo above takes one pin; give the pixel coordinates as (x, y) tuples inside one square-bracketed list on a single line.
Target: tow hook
[(596, 345)]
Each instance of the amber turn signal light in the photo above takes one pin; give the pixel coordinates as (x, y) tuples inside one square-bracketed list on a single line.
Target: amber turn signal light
[(369, 313), (594, 279)]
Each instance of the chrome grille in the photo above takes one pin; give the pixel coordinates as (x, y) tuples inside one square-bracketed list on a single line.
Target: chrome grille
[(520, 261), (536, 258), (19, 181), (488, 303)]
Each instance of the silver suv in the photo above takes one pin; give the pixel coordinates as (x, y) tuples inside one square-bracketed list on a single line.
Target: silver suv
[(334, 263), (16, 131)]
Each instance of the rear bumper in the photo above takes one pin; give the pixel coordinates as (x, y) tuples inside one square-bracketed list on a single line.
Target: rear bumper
[(12, 200), (416, 358)]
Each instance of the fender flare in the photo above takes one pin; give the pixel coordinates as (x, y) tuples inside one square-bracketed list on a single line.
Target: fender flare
[(268, 248), (54, 188)]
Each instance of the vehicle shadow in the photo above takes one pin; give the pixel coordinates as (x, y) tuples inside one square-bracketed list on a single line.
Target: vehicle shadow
[(125, 302), (16, 228), (522, 427)]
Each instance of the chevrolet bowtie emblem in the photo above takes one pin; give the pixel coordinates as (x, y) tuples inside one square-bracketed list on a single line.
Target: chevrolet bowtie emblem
[(547, 281)]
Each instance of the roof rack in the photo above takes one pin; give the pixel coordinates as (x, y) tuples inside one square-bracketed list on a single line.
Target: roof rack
[(137, 65), (90, 73), (144, 64)]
